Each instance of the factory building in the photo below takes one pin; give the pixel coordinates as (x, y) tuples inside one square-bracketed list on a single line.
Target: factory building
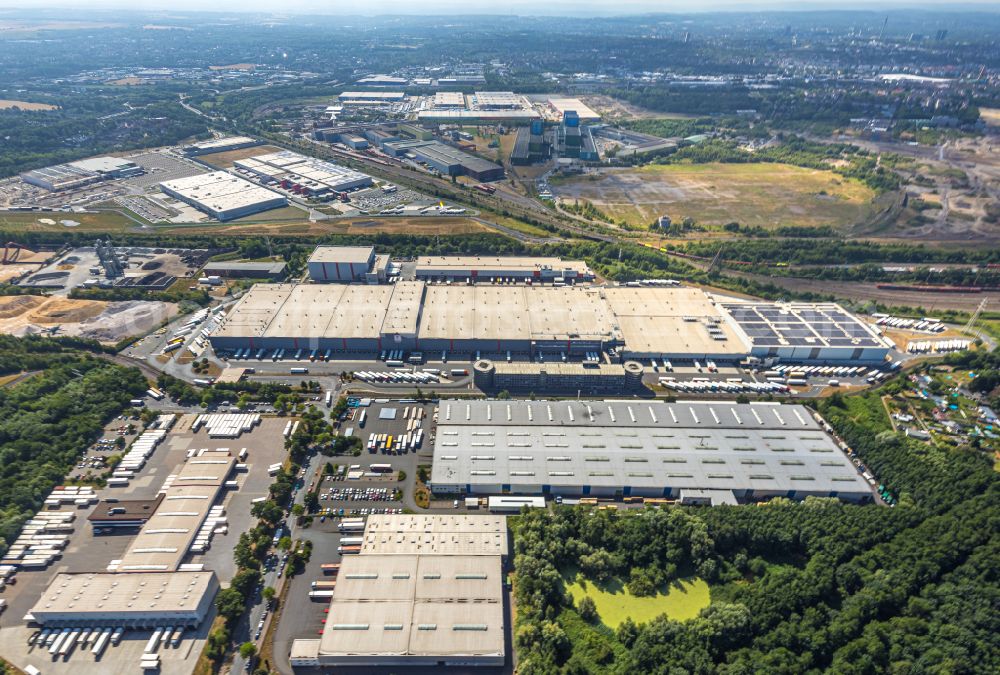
[(272, 271), (222, 195), (729, 451), (133, 601), (589, 379), (371, 97), (514, 117), (224, 144), (448, 99), (675, 323), (446, 159), (380, 80), (304, 175), (343, 264), (84, 172), (488, 268), (426, 590), (529, 145), (560, 106)]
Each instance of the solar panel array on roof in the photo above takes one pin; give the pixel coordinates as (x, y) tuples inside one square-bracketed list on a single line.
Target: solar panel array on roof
[(771, 325)]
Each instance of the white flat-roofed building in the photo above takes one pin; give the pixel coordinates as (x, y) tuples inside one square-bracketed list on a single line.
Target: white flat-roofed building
[(223, 144), (301, 174), (561, 105), (370, 97), (448, 99), (499, 100), (439, 534), (634, 322), (167, 535), (222, 195), (485, 268), (412, 610), (341, 263), (636, 448), (83, 172), (179, 599)]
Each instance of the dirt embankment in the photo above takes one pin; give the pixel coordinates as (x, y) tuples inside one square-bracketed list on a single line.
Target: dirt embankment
[(105, 321)]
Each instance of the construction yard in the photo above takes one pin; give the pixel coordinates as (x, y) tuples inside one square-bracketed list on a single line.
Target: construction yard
[(105, 321), (763, 195)]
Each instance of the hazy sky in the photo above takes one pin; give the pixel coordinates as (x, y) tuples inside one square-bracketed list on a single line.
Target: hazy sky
[(523, 7)]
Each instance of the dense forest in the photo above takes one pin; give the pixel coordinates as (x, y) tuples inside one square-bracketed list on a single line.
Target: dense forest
[(50, 418), (795, 587)]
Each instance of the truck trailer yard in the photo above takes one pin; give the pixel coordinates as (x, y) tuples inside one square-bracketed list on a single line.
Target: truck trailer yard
[(152, 559)]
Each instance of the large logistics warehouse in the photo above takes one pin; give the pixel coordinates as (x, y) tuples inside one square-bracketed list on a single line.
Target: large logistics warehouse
[(84, 172), (222, 195), (148, 600), (675, 323), (426, 590), (684, 450), (304, 175)]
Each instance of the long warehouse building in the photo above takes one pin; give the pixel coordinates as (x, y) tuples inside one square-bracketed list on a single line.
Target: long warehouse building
[(222, 195), (687, 450), (675, 323)]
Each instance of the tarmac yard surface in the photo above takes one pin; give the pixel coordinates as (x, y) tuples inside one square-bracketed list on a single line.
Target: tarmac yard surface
[(764, 195)]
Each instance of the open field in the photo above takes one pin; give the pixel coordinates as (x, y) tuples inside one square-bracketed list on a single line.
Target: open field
[(289, 212), (224, 160), (764, 195), (681, 602), (991, 116), (863, 291), (7, 104), (103, 221)]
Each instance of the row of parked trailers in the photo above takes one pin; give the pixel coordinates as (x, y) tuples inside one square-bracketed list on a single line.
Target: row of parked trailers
[(40, 542), (61, 642), (938, 346), (322, 589), (801, 372), (279, 354), (730, 386), (400, 377), (926, 324), (133, 460), (408, 442)]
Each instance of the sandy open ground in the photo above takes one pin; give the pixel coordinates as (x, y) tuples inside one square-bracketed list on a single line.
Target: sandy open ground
[(765, 195), (224, 160), (105, 321), (6, 104)]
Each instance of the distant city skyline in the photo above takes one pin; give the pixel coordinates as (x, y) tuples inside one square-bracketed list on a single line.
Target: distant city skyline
[(515, 7)]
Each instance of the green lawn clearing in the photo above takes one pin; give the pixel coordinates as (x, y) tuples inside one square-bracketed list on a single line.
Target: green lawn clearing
[(682, 601)]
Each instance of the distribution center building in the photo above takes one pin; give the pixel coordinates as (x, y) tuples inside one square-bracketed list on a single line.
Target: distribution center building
[(425, 590), (303, 175), (150, 600), (675, 323), (222, 195), (83, 172), (684, 450)]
